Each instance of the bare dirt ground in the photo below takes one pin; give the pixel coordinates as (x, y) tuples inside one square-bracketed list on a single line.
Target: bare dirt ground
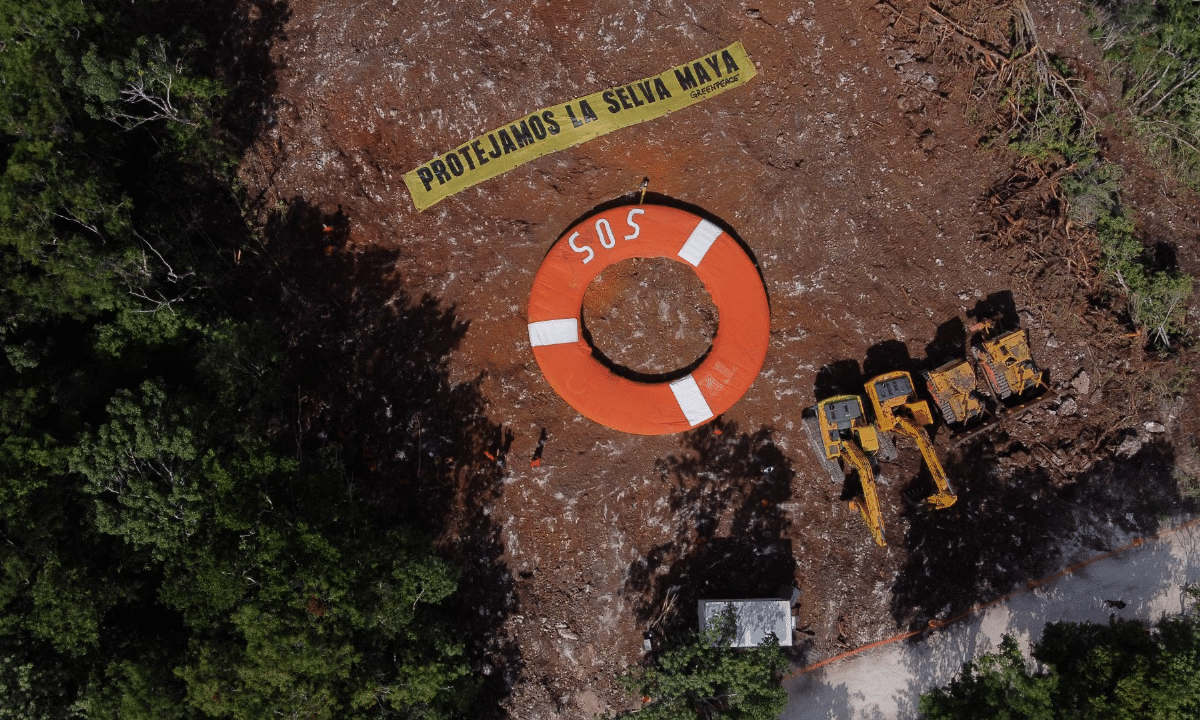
[(851, 167)]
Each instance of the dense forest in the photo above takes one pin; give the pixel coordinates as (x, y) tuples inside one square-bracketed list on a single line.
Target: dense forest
[(170, 547)]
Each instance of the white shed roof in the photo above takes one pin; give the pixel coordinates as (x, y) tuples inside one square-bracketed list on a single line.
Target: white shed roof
[(755, 619)]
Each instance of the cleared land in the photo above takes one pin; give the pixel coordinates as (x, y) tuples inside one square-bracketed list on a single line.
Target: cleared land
[(851, 166)]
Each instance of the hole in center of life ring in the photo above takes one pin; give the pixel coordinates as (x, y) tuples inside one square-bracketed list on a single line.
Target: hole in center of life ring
[(649, 316)]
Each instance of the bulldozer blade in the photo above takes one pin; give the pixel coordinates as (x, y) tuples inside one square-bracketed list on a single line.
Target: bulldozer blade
[(966, 434), (1004, 415), (1028, 405)]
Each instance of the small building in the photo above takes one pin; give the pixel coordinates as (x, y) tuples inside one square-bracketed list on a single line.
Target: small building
[(755, 619)]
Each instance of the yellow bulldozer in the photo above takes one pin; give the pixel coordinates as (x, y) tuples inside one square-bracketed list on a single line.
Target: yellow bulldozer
[(1007, 363), (1008, 370), (838, 429), (897, 409), (955, 389)]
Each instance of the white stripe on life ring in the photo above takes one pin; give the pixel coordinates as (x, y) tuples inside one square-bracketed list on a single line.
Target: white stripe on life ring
[(699, 242), (554, 332), (691, 400)]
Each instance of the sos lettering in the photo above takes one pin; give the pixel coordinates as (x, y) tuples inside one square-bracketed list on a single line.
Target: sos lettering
[(604, 234)]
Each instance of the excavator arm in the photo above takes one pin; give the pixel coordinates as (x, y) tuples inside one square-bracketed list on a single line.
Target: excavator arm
[(944, 497), (869, 506)]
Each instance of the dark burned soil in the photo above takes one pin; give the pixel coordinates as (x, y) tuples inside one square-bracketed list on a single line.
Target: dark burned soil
[(852, 168)]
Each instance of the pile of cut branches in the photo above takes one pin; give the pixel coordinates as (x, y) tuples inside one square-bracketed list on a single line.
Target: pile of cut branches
[(1028, 101)]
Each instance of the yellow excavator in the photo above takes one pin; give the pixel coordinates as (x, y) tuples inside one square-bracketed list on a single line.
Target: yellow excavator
[(897, 409), (838, 428)]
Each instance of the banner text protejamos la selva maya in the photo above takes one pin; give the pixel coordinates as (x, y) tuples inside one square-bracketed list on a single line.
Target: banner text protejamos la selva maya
[(562, 126)]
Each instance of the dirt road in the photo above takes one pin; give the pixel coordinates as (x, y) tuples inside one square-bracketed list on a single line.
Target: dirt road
[(1144, 582)]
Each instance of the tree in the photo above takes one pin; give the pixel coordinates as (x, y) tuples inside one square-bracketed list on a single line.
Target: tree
[(1127, 669), (708, 678), (1153, 46), (997, 685), (162, 556), (1157, 301)]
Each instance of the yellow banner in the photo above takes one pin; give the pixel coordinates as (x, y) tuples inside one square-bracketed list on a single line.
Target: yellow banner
[(571, 123)]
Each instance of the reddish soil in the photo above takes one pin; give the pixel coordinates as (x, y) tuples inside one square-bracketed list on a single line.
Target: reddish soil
[(851, 167), (638, 326)]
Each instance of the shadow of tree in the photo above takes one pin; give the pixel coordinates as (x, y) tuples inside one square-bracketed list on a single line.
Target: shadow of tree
[(887, 356), (725, 491), (1000, 305), (1012, 524), (841, 377), (933, 664), (242, 52), (369, 366), (813, 695)]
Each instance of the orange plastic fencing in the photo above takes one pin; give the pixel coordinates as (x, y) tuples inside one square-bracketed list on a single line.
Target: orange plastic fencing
[(1030, 585)]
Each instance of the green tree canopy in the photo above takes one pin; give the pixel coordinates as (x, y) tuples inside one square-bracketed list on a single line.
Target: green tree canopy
[(1125, 670), (162, 557), (708, 678)]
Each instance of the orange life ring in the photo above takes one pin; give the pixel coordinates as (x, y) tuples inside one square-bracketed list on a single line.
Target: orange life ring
[(648, 408)]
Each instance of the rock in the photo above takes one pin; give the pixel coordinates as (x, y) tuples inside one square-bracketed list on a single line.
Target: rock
[(1068, 406), (910, 104), (1052, 342), (567, 634), (1154, 427), (1176, 406), (1129, 446), (917, 73), (1081, 383), (900, 56)]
